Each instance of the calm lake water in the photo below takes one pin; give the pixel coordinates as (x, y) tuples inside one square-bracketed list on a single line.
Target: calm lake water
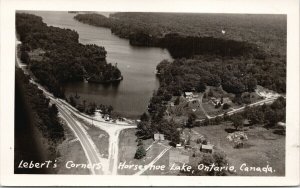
[(137, 64)]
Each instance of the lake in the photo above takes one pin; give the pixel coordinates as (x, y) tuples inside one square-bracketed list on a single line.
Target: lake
[(137, 64)]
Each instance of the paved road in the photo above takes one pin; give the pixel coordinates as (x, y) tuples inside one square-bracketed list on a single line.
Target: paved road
[(234, 111), (112, 129), (89, 150)]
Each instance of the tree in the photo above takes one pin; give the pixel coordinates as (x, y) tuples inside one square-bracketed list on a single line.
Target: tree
[(109, 109), (233, 85), (144, 117), (175, 137), (210, 93), (226, 116), (191, 119), (237, 121), (177, 101), (270, 117), (200, 87), (140, 152), (91, 108), (251, 84), (226, 106), (53, 109), (218, 159), (72, 101)]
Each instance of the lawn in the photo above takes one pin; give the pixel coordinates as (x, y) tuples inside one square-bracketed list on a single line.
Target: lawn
[(262, 148)]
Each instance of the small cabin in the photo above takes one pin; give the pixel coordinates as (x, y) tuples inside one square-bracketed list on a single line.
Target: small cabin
[(207, 148)]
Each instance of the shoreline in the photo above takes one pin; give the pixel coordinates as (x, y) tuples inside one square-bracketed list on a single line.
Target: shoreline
[(104, 81)]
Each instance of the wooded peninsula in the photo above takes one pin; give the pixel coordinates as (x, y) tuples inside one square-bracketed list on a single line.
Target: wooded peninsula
[(55, 56)]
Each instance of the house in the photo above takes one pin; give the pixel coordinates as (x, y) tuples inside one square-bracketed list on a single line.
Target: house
[(188, 95), (207, 148), (159, 137)]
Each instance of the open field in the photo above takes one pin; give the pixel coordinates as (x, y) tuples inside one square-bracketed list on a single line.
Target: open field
[(262, 148), (67, 149)]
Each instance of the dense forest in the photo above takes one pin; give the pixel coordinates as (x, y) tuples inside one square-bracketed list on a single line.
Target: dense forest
[(55, 56), (34, 112), (268, 32), (179, 44)]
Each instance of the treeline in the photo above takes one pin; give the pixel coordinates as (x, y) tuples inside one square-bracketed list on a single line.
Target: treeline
[(89, 108), (55, 56), (37, 113), (266, 31), (180, 45)]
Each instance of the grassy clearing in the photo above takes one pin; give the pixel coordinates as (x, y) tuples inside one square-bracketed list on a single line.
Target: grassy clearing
[(262, 148), (67, 149)]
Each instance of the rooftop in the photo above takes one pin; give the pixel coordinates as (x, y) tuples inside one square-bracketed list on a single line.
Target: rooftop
[(210, 147)]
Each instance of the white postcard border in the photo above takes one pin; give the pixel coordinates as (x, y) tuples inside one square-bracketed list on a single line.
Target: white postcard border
[(7, 71)]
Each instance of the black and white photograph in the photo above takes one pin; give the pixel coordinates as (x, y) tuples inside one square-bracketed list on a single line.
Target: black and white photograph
[(151, 94)]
